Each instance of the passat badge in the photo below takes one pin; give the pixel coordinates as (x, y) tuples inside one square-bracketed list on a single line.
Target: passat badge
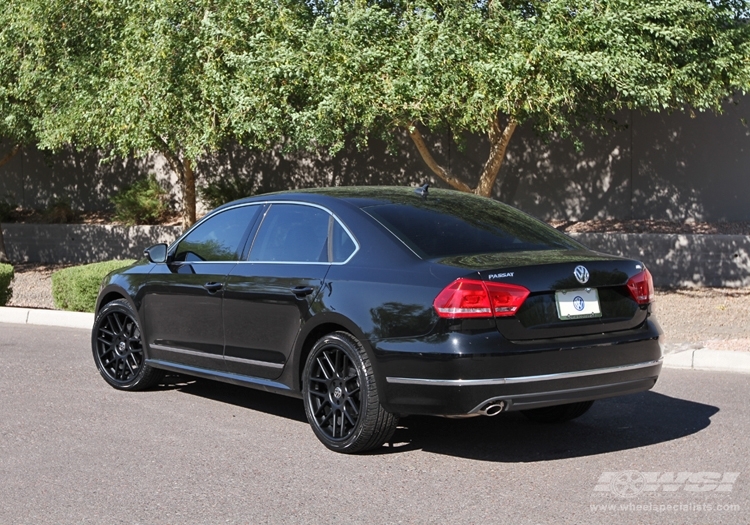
[(582, 274)]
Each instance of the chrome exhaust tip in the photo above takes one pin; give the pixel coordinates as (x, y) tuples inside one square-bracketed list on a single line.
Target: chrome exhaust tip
[(489, 409), (492, 409)]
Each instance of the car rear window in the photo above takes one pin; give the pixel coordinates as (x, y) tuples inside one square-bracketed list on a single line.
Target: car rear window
[(465, 225)]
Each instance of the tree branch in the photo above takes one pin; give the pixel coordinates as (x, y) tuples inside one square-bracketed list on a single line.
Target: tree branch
[(499, 139), (436, 168)]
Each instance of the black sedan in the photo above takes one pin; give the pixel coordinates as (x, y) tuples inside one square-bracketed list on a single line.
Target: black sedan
[(375, 303)]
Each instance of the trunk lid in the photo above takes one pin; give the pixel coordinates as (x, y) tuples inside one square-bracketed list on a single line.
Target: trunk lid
[(546, 272)]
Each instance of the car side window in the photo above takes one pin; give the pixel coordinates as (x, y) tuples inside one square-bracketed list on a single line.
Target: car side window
[(219, 237), (292, 233), (341, 243)]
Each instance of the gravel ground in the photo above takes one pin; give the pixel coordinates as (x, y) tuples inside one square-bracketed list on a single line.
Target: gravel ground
[(716, 318), (32, 285)]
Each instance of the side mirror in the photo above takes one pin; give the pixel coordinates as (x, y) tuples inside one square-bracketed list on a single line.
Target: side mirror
[(156, 253)]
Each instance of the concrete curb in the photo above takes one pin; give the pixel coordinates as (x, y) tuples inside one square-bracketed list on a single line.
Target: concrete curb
[(694, 359), (705, 359), (46, 317)]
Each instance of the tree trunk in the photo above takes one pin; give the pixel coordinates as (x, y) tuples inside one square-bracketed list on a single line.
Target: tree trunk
[(12, 153), (186, 177), (436, 168), (499, 139), (188, 195), (3, 254)]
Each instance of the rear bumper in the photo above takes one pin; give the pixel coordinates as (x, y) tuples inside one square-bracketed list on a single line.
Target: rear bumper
[(485, 369)]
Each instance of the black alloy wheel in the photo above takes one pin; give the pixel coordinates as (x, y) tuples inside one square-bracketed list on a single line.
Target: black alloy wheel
[(118, 348), (558, 413), (341, 397)]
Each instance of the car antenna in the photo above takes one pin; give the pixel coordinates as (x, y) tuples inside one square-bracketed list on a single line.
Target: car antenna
[(422, 190)]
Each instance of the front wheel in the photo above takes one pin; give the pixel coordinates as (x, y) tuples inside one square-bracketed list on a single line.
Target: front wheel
[(341, 397), (558, 413), (117, 346)]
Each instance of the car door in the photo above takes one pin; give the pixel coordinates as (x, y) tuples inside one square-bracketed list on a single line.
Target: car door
[(269, 296), (183, 311)]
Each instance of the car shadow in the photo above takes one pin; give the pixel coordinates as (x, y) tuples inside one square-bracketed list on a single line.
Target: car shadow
[(273, 404), (611, 425), (619, 423)]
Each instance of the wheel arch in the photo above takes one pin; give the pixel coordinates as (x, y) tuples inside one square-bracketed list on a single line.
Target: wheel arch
[(315, 329), (113, 293)]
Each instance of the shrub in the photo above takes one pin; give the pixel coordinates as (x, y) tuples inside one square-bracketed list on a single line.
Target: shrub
[(60, 211), (225, 189), (144, 202), (76, 288), (7, 207), (6, 277)]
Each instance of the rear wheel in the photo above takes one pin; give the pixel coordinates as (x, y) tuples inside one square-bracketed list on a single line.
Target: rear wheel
[(558, 413), (117, 344), (341, 397)]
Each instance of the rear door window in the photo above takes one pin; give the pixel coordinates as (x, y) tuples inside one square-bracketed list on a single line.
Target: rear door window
[(298, 233), (292, 233)]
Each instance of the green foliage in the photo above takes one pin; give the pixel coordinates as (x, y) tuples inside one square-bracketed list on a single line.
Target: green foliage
[(226, 189), (144, 202), (76, 288), (6, 277), (186, 77), (557, 64), (19, 86)]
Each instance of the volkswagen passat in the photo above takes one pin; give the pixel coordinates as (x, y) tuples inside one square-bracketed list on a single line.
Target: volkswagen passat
[(375, 303)]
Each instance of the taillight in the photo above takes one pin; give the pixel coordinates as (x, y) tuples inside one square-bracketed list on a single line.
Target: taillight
[(468, 298), (641, 287)]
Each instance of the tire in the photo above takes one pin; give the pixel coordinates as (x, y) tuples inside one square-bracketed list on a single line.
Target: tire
[(341, 397), (117, 345), (558, 413)]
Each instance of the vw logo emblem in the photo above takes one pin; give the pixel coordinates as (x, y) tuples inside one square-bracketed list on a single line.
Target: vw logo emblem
[(578, 303), (582, 274)]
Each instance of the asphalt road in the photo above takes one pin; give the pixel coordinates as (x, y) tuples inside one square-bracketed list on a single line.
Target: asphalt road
[(74, 450)]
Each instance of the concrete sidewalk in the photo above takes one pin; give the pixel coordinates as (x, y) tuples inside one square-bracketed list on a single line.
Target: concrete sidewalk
[(676, 356)]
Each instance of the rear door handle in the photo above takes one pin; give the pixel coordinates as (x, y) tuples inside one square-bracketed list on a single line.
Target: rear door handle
[(213, 287), (302, 291)]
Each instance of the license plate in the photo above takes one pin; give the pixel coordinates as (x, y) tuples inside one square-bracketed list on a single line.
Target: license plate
[(578, 304)]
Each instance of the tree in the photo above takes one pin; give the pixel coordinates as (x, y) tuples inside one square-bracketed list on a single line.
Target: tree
[(177, 77), (127, 80), (488, 67), (18, 107), (17, 103)]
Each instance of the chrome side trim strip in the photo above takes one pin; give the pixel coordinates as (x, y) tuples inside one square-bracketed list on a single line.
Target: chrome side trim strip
[(186, 351), (519, 379), (253, 362), (256, 382), (217, 356)]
